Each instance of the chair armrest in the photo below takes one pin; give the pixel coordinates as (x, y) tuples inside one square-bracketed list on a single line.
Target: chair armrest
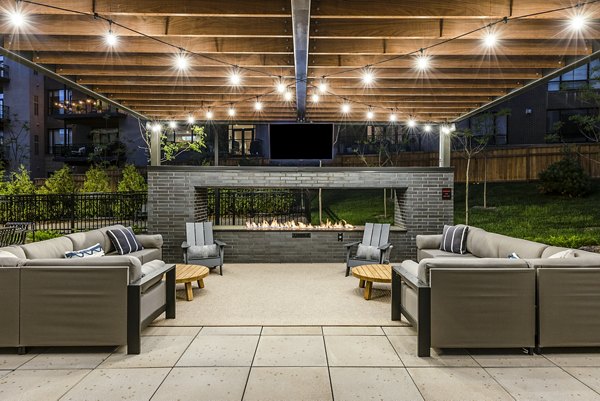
[(185, 245), (384, 247), (148, 277), (220, 243), (351, 244)]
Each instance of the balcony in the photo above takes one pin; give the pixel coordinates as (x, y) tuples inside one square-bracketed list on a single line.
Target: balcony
[(4, 113), (84, 153), (83, 110)]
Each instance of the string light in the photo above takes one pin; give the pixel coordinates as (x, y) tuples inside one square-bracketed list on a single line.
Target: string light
[(370, 115), (209, 114), (490, 39), (156, 127), (231, 111), (281, 86), (258, 106), (322, 86), (182, 61), (427, 128), (172, 124), (393, 118), (346, 108), (578, 22), (287, 96), (191, 119), (235, 77), (422, 62), (315, 98), (411, 123), (110, 38), (368, 77), (17, 18)]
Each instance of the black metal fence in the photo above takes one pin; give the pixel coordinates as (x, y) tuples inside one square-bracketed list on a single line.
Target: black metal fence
[(238, 206), (76, 212)]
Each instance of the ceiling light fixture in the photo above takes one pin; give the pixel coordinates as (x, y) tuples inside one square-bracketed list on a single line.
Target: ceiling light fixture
[(110, 38), (280, 86), (287, 96), (191, 119), (314, 98), (393, 118), (231, 111), (370, 115), (578, 22), (422, 62), (258, 106), (427, 128), (172, 124), (346, 108), (323, 86), (411, 123), (235, 77), (17, 18), (156, 127), (182, 61), (490, 40), (209, 114), (368, 77)]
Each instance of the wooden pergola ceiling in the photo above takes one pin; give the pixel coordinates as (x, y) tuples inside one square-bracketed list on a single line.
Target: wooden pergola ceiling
[(344, 34)]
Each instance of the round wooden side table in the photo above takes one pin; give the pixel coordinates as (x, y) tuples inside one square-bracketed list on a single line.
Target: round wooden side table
[(369, 274), (189, 273)]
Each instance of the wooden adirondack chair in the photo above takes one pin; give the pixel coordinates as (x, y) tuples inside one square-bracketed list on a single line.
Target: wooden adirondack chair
[(200, 248), (374, 248)]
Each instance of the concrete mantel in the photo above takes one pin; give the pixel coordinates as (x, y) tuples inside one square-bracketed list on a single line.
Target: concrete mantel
[(301, 169)]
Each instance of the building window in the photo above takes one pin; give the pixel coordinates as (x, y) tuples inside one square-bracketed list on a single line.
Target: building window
[(59, 101), (242, 140), (36, 105), (59, 138), (494, 126), (569, 130), (578, 78)]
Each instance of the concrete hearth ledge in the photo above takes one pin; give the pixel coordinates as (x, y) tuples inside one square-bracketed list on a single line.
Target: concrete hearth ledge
[(323, 169), (244, 228)]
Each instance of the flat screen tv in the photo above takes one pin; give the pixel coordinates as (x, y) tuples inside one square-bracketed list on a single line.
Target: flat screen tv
[(301, 141)]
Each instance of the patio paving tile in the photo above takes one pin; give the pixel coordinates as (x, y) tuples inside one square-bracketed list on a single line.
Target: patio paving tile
[(11, 360), (495, 358), (360, 351), (380, 384), (588, 376), (203, 384), (575, 357), (157, 351), (220, 351), (352, 331), (292, 331), (36, 385), (457, 384), (170, 331), (400, 331), (69, 358), (117, 384), (290, 351), (406, 347), (231, 331), (542, 384), (288, 383)]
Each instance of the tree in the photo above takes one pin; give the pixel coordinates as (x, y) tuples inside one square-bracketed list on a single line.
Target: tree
[(132, 180), (171, 148), (473, 141), (96, 180), (20, 183), (589, 124), (16, 137), (60, 182)]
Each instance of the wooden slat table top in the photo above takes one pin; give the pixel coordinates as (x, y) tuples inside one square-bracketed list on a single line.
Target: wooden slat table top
[(374, 273), (187, 273)]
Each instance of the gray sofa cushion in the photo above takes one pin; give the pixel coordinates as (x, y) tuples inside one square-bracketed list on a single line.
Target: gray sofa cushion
[(438, 253), (467, 263), (480, 244), (15, 250), (54, 248), (150, 240), (524, 248), (203, 251), (86, 239), (149, 268), (429, 241), (147, 255)]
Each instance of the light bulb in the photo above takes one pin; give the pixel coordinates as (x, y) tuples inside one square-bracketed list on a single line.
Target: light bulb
[(411, 123), (445, 130), (17, 18), (393, 117), (231, 111), (172, 124), (345, 108), (258, 106), (322, 87), (314, 98), (370, 115), (156, 127), (578, 22), (191, 119), (287, 96), (427, 128), (209, 115), (280, 87), (111, 39), (182, 62), (235, 78), (367, 77), (422, 62), (490, 39)]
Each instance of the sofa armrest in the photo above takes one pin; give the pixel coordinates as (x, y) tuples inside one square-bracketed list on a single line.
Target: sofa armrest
[(426, 265), (150, 240), (429, 241), (567, 263), (155, 273)]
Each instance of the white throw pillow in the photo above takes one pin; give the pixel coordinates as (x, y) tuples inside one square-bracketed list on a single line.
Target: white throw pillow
[(90, 252), (203, 251), (569, 253), (368, 252)]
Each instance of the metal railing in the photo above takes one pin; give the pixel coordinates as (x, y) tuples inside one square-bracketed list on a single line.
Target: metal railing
[(238, 206), (75, 212)]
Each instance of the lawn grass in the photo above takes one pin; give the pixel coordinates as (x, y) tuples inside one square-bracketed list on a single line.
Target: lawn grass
[(356, 206), (519, 210)]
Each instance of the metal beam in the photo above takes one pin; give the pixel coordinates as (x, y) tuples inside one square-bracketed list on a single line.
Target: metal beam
[(301, 29), (529, 86), (72, 84)]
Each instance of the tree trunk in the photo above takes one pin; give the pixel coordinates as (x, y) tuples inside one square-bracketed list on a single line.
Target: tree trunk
[(384, 203), (467, 190), (484, 181)]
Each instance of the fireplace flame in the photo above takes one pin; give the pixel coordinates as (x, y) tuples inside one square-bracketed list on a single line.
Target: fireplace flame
[(293, 225)]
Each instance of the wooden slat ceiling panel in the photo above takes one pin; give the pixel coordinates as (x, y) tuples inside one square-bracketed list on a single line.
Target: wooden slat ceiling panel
[(344, 34)]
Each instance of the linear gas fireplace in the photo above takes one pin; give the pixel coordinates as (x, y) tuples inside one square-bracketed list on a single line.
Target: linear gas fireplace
[(284, 228)]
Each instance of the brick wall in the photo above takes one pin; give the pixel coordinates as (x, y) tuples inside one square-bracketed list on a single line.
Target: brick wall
[(176, 196)]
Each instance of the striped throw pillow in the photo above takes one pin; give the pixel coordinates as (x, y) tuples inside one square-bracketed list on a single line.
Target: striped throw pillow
[(92, 251), (454, 239), (124, 240)]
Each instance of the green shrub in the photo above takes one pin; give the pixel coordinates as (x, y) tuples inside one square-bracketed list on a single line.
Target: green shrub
[(565, 177), (20, 183), (60, 182), (42, 235), (570, 241), (132, 180), (96, 180)]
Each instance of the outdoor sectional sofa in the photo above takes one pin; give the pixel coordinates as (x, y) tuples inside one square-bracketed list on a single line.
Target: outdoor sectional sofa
[(483, 299), (48, 300)]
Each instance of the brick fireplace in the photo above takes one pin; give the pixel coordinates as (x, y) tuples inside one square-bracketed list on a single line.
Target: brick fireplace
[(178, 194)]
